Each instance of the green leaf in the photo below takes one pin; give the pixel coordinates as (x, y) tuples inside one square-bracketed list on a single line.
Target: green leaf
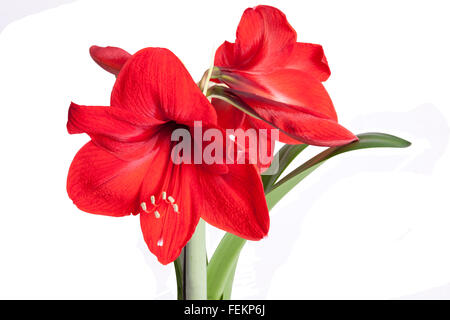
[(229, 284), (285, 156), (366, 140), (224, 260), (222, 264)]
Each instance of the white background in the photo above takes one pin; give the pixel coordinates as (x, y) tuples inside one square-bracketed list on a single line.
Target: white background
[(370, 224)]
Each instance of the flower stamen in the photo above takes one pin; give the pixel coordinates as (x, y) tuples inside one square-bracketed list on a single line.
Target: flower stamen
[(168, 199), (144, 207)]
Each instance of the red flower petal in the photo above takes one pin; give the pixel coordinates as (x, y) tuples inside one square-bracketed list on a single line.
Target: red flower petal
[(263, 39), (311, 59), (113, 122), (167, 230), (286, 86), (264, 154), (115, 130), (154, 83), (111, 59), (100, 183), (225, 55), (250, 122), (299, 125), (234, 202), (228, 117)]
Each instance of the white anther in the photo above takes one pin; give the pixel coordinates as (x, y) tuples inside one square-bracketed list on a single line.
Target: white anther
[(157, 215), (144, 206), (152, 200), (175, 207), (164, 194), (160, 242), (172, 200)]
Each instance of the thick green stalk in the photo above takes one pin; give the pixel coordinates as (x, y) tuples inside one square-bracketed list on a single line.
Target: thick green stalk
[(178, 264), (195, 265), (194, 258)]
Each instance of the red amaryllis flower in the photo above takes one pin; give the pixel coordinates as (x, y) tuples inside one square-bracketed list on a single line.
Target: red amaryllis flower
[(280, 79), (127, 168)]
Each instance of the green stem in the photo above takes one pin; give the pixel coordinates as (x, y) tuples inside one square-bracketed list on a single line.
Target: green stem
[(222, 264), (195, 265), (229, 285), (178, 264)]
